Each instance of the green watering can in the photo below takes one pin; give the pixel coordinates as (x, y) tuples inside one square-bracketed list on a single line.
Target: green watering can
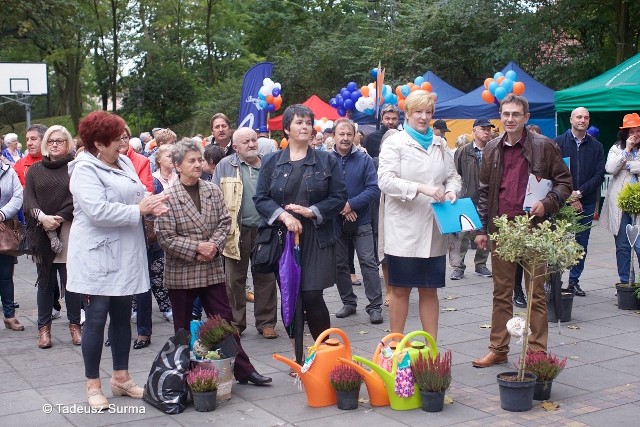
[(427, 348)]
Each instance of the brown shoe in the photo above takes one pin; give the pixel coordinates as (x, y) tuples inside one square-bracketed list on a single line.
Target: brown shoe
[(13, 324), (269, 333), (44, 337), (490, 360), (76, 333), (250, 297)]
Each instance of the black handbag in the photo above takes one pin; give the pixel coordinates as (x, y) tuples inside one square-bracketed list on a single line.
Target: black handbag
[(267, 249)]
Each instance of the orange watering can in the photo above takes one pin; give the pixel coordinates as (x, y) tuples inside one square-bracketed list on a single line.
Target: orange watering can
[(375, 386), (428, 347), (315, 378)]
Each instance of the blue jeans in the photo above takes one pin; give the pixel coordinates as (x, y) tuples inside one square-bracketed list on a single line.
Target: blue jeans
[(583, 239), (7, 264), (623, 249)]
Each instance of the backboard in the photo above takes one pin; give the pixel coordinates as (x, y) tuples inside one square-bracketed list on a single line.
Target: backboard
[(23, 78)]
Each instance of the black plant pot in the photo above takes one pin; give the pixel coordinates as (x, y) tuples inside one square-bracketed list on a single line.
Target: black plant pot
[(542, 390), (205, 401), (432, 401), (566, 302), (516, 396), (229, 347), (348, 399), (626, 298)]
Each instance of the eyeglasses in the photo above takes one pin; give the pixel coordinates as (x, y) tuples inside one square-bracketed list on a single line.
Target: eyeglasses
[(56, 142), (508, 114), (125, 138)]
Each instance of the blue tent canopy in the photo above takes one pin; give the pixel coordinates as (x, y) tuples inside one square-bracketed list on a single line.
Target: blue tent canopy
[(471, 105), (443, 89)]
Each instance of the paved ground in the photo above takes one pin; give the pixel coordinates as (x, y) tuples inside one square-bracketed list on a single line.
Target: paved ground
[(599, 387)]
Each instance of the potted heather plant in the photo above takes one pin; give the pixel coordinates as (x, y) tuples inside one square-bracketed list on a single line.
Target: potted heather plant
[(433, 377), (546, 367), (346, 382), (217, 334), (203, 383), (629, 202), (541, 249)]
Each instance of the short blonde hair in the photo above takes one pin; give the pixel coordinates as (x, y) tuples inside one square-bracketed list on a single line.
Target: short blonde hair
[(163, 136), (418, 100), (55, 128), (161, 150)]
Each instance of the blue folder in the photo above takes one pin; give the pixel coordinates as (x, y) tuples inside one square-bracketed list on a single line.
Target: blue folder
[(457, 217)]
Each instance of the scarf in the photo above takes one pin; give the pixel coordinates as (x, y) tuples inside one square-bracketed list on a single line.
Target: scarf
[(423, 139)]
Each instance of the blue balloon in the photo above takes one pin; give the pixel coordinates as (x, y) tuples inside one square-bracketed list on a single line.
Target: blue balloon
[(343, 91), (275, 91), (388, 98), (369, 111), (500, 93), (349, 104), (346, 95), (355, 95), (352, 86), (493, 86), (333, 102), (511, 75), (261, 96), (507, 84), (374, 73), (262, 103), (497, 75), (405, 90), (418, 81), (342, 112), (271, 107), (340, 101)]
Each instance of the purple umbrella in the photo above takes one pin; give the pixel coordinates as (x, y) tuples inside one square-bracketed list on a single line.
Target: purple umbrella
[(289, 280)]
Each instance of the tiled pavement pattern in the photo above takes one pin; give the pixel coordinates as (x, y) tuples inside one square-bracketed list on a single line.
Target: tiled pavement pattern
[(599, 387)]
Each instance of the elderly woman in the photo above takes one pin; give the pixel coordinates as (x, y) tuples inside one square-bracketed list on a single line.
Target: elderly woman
[(193, 234), (165, 172), (623, 162), (49, 207), (107, 259), (416, 170), (303, 189), (10, 203), (12, 153)]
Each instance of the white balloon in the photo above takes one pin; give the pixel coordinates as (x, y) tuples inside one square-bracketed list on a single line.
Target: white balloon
[(277, 85), (265, 91), (329, 123)]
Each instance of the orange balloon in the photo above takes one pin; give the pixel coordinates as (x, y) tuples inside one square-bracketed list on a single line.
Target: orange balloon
[(284, 143), (317, 128), (401, 104), (364, 90), (277, 102), (487, 81), (269, 99), (500, 79), (399, 91), (426, 86), (518, 88), (414, 88), (487, 97)]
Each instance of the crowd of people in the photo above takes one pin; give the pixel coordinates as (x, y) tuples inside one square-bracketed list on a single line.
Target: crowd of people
[(114, 219)]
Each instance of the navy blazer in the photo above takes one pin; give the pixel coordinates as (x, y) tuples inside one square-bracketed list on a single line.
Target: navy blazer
[(587, 164)]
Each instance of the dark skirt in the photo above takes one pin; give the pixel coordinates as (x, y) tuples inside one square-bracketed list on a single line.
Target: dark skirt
[(407, 272)]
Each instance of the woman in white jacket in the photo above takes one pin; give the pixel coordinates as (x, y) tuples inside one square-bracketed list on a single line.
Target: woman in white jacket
[(415, 170), (107, 260), (623, 162)]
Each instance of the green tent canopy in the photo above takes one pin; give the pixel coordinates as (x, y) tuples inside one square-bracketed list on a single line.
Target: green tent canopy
[(608, 98)]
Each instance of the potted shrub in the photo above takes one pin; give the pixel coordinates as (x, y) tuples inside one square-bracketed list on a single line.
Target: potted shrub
[(346, 382), (433, 377), (629, 202), (540, 249), (203, 382), (546, 367)]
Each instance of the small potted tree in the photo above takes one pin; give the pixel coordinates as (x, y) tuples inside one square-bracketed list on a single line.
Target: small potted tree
[(540, 250), (629, 202), (203, 383), (433, 377), (546, 367), (346, 382)]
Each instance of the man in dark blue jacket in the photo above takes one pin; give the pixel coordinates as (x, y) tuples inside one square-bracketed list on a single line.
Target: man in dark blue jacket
[(586, 160), (361, 181)]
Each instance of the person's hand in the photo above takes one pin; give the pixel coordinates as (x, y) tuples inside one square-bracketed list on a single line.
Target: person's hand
[(481, 241), (301, 210), (577, 206), (537, 209), (154, 205), (51, 222), (632, 141), (206, 251), (351, 216), (451, 195), (290, 222), (434, 192), (346, 209)]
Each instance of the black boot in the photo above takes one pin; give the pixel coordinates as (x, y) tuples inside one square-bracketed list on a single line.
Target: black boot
[(518, 296)]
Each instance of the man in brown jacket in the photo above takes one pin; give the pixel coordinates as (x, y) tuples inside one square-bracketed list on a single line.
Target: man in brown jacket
[(507, 162)]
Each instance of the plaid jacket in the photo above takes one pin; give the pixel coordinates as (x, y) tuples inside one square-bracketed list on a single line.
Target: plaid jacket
[(180, 231)]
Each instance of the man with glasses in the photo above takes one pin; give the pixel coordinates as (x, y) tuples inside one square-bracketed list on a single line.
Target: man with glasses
[(507, 162), (35, 133), (468, 159)]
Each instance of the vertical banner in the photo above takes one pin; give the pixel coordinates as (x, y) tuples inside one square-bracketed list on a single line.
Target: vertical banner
[(251, 114), (379, 85)]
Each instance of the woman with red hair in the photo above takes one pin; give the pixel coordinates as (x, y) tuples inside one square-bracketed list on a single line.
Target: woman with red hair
[(106, 260)]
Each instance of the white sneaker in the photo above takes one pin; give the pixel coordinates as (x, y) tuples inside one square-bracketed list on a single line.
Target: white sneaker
[(82, 316), (168, 315), (55, 314), (134, 317)]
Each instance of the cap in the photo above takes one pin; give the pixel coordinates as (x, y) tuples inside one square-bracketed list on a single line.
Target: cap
[(441, 125), (482, 122), (593, 131), (630, 121), (262, 129), (328, 130)]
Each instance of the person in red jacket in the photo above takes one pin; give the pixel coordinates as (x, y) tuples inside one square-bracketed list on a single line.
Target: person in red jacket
[(35, 133), (140, 162)]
